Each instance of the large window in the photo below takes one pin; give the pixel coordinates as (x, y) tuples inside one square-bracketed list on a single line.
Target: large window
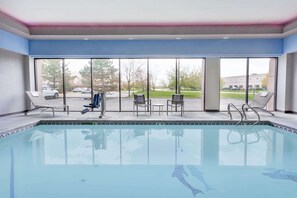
[(162, 80), (262, 77), (241, 79), (77, 83), (170, 76), (133, 81), (233, 82), (73, 81), (190, 81), (106, 79), (49, 81)]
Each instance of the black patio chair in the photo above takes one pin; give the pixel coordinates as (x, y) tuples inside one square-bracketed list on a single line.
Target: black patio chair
[(176, 101), (140, 101)]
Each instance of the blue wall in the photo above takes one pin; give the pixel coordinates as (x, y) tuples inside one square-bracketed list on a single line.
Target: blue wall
[(11, 42), (148, 48), (156, 48), (290, 44)]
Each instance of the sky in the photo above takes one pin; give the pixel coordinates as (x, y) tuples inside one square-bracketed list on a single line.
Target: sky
[(237, 67), (75, 65)]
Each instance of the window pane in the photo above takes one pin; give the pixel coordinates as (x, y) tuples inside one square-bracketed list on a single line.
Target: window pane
[(233, 82), (106, 79), (77, 83), (133, 81), (190, 82), (49, 79), (162, 80), (262, 77)]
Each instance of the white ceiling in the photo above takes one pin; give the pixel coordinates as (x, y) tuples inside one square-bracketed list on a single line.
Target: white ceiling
[(150, 12)]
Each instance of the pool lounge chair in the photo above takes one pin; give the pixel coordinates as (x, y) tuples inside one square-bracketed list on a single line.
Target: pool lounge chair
[(261, 100), (39, 102)]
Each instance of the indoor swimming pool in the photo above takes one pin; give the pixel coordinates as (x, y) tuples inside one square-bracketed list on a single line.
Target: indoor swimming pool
[(149, 160)]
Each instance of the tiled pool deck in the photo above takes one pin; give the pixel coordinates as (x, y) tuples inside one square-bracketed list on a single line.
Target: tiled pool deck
[(19, 120)]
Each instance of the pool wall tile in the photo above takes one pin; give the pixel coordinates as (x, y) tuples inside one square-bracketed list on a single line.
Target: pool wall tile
[(17, 130), (151, 122)]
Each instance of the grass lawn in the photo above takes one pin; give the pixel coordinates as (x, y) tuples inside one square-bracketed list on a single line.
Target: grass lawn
[(237, 95), (168, 94), (225, 94)]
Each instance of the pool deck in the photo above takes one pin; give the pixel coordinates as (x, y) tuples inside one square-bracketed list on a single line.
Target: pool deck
[(18, 120)]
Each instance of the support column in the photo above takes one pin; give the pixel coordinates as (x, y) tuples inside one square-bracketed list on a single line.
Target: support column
[(284, 83), (212, 84), (29, 75)]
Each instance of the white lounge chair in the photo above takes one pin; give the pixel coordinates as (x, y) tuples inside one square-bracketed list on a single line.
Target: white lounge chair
[(39, 102), (260, 101)]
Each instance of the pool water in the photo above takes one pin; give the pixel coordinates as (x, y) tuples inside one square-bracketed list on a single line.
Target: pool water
[(149, 161)]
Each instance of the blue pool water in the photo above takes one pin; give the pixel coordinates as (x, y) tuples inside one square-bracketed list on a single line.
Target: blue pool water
[(149, 161)]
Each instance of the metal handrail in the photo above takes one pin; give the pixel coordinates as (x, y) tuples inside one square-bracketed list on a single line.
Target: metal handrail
[(250, 107), (230, 114)]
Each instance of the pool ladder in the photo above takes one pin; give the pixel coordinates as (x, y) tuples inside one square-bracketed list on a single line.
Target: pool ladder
[(230, 114), (242, 112)]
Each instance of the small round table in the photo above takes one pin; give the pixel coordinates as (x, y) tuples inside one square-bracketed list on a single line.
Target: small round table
[(160, 107)]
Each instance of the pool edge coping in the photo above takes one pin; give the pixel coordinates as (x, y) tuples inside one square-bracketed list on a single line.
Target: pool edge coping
[(141, 122), (18, 129)]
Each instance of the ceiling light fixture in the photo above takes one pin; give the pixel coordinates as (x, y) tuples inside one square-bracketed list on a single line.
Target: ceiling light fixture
[(130, 38), (177, 38), (86, 39), (225, 37)]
